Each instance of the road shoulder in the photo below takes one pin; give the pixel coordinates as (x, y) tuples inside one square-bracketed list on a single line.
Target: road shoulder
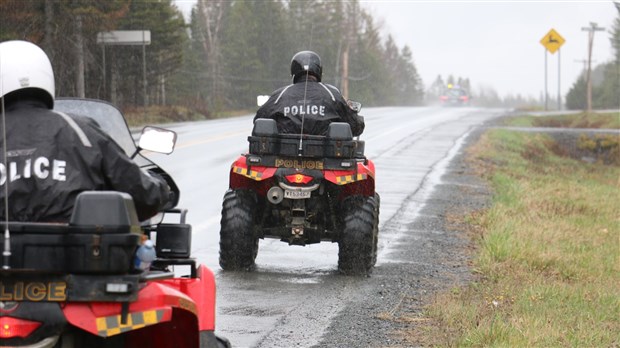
[(434, 256)]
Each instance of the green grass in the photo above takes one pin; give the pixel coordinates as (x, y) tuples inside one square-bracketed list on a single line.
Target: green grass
[(580, 120), (548, 257)]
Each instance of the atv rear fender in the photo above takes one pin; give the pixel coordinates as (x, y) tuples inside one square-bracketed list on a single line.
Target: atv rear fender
[(260, 178), (256, 178), (158, 301), (354, 182)]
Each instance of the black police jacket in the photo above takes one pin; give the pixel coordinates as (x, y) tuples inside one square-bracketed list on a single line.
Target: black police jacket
[(52, 157), (314, 104)]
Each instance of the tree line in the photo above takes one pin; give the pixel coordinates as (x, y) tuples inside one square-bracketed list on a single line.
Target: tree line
[(605, 78), (230, 51), (226, 54)]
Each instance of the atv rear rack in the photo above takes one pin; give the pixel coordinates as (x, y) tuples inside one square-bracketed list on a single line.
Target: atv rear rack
[(337, 144)]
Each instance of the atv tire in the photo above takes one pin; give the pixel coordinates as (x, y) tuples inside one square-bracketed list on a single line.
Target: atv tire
[(357, 247), (376, 229), (238, 243)]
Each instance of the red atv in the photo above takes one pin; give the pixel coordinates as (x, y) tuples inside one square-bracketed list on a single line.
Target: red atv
[(301, 189), (74, 285)]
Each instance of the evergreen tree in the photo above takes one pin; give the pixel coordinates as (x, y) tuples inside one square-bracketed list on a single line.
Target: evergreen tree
[(163, 56), (604, 95), (242, 67), (410, 84), (254, 39), (609, 95), (435, 90), (576, 97), (230, 52), (367, 73)]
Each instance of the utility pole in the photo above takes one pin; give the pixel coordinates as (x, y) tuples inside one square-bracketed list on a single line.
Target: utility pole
[(591, 30)]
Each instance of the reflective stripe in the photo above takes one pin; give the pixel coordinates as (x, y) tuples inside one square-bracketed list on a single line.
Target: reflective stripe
[(80, 133), (281, 93), (112, 325), (328, 91), (347, 179), (258, 176)]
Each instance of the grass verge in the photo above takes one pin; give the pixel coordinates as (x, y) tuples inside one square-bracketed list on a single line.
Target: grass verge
[(609, 120), (547, 253)]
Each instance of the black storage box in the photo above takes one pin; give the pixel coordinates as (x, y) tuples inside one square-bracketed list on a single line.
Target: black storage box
[(338, 143), (63, 252), (174, 241), (314, 147), (102, 237)]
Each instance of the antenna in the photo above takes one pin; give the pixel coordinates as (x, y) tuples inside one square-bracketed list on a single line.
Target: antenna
[(303, 116), (301, 133), (6, 253)]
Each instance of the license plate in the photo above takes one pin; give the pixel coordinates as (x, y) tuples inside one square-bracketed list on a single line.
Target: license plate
[(297, 194)]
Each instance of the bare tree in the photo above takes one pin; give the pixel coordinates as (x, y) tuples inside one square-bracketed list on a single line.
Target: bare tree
[(210, 15), (349, 30)]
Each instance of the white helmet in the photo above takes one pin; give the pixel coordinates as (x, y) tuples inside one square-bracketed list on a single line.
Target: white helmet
[(25, 65)]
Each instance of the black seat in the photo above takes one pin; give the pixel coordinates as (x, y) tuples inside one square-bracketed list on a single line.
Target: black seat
[(339, 131), (264, 127), (111, 209)]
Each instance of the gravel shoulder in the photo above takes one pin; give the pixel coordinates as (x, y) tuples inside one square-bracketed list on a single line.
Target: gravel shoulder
[(433, 253), (436, 247)]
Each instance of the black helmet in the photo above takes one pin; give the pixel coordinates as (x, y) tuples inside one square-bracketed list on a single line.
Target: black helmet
[(306, 62)]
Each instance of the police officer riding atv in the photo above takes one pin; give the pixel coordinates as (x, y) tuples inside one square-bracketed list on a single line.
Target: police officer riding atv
[(81, 208), (305, 178)]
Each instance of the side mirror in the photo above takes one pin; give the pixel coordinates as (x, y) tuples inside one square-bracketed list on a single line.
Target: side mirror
[(261, 100), (355, 106), (157, 139)]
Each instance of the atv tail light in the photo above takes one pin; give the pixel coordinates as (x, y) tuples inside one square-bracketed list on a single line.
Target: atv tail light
[(298, 178), (14, 327)]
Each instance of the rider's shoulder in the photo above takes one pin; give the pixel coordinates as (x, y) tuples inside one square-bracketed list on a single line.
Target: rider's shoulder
[(332, 87), (279, 90)]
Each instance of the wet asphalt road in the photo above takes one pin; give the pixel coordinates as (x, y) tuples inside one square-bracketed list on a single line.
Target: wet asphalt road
[(295, 298)]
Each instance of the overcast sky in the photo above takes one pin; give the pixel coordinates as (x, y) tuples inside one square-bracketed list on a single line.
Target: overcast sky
[(494, 43)]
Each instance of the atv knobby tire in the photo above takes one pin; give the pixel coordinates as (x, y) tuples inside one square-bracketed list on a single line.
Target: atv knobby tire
[(238, 244), (376, 229), (357, 246)]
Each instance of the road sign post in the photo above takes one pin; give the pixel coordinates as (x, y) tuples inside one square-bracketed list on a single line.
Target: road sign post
[(131, 38), (552, 42)]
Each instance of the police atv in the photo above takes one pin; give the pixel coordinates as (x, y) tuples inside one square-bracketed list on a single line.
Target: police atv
[(301, 189), (70, 285)]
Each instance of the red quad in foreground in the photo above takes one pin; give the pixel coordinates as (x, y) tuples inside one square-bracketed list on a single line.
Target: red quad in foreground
[(301, 189), (74, 285)]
